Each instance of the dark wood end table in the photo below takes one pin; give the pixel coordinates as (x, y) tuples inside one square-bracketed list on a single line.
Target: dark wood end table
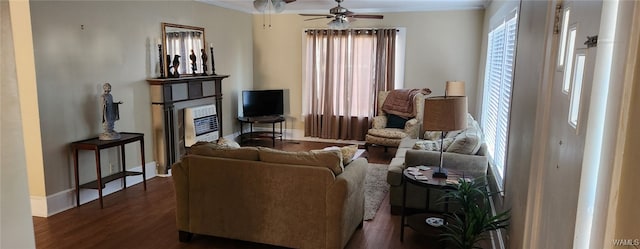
[(417, 221), (96, 145)]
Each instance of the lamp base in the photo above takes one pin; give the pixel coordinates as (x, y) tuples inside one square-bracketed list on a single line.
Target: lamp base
[(440, 173)]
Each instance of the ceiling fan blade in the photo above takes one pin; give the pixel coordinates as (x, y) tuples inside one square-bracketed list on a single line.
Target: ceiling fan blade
[(325, 15), (289, 1), (368, 16), (318, 18)]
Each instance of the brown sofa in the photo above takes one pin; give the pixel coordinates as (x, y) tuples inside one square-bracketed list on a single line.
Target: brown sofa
[(270, 196)]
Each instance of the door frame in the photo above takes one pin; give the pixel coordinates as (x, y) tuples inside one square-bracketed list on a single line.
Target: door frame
[(612, 120)]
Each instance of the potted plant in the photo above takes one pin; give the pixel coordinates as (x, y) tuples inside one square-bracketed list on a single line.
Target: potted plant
[(472, 218)]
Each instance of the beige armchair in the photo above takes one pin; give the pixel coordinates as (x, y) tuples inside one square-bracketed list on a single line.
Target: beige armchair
[(381, 135)]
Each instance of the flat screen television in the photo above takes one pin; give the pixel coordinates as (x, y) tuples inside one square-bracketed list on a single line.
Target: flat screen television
[(256, 103)]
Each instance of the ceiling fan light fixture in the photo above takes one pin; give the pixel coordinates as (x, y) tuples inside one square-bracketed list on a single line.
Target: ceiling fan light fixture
[(278, 5), (260, 5), (338, 23)]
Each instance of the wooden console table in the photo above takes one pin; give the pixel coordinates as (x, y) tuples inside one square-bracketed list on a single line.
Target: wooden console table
[(169, 96), (96, 145)]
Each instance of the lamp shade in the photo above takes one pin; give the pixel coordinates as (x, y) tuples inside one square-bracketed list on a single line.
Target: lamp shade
[(445, 113), (278, 5), (339, 23), (260, 5), (454, 88)]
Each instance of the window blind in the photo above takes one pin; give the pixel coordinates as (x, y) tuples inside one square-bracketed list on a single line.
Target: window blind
[(496, 104)]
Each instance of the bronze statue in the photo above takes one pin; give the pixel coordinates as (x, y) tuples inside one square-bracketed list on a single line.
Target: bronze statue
[(193, 62), (176, 64), (204, 61)]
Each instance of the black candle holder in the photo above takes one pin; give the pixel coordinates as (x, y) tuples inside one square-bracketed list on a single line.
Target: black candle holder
[(161, 63), (213, 63)]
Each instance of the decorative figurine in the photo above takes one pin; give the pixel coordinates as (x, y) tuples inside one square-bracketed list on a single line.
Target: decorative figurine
[(168, 62), (204, 61), (175, 65), (110, 114), (193, 62)]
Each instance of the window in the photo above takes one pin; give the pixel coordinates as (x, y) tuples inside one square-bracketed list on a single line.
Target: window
[(563, 38), (342, 72), (578, 73), (496, 103), (566, 81)]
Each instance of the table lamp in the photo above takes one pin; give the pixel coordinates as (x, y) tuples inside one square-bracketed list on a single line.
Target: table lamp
[(444, 113), (454, 88)]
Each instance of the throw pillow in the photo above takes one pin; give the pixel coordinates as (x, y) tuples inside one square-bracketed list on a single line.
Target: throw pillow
[(216, 150), (228, 143), (395, 121), (432, 135), (467, 142), (452, 134), (331, 159), (348, 152), (432, 145)]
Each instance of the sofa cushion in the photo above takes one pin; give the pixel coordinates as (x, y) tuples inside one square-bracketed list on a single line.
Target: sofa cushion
[(216, 150), (332, 159), (433, 145), (468, 141)]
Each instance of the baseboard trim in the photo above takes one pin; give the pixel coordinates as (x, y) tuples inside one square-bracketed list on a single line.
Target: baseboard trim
[(66, 199), (39, 206)]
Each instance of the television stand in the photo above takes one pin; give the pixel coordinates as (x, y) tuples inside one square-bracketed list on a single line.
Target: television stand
[(261, 134)]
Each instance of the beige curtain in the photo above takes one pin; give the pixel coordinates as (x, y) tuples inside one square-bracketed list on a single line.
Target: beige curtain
[(344, 70), (183, 43), (385, 66)]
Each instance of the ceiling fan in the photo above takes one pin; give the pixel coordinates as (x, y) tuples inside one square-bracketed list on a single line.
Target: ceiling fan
[(341, 16), (278, 5)]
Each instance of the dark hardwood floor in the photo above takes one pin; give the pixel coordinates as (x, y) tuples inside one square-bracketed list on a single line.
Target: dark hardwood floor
[(134, 218)]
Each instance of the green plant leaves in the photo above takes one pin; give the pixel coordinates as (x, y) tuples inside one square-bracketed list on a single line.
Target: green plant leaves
[(471, 222)]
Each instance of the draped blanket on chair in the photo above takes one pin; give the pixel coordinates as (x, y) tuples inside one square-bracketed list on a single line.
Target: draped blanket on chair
[(400, 102)]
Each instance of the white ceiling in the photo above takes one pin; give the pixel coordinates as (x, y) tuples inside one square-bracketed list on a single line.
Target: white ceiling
[(357, 6)]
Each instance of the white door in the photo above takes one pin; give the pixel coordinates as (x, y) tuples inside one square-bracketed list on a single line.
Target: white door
[(569, 106)]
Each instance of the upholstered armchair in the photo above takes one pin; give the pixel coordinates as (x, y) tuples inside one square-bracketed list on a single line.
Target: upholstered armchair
[(388, 130)]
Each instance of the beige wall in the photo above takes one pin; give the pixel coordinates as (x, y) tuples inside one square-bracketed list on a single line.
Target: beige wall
[(628, 199), (440, 46), (16, 227), (80, 45), (526, 84)]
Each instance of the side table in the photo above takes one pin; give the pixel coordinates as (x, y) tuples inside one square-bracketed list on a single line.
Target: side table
[(96, 145), (417, 221), (262, 120)]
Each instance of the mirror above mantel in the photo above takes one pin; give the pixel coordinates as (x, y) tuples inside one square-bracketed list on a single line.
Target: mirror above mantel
[(183, 47)]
